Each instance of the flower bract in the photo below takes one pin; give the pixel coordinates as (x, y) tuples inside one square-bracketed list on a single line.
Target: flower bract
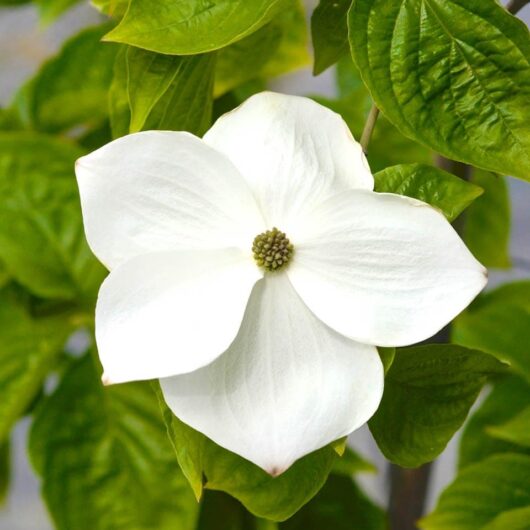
[(255, 271)]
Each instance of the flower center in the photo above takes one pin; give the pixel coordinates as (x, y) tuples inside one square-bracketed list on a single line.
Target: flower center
[(272, 250)]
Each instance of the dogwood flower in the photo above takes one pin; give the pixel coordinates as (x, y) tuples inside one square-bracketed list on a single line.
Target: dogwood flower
[(254, 271)]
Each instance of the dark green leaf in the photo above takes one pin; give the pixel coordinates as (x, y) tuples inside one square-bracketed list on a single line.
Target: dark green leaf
[(42, 242), (104, 458), (329, 29), (499, 323), (5, 469), (71, 89), (219, 511), (192, 26), (10, 120), (29, 348), (452, 74), (428, 393), (168, 92), (4, 275), (387, 356), (508, 397), (481, 493), (516, 430), (487, 223), (205, 464), (94, 138), (340, 505), (440, 189)]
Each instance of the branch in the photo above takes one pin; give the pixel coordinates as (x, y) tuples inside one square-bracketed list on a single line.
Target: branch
[(369, 128), (514, 6)]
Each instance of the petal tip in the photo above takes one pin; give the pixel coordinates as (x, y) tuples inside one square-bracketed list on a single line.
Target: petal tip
[(276, 471), (106, 380), (80, 163)]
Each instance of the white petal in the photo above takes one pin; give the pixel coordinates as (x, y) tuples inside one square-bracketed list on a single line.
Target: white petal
[(293, 152), (169, 313), (160, 190), (383, 269), (287, 386)]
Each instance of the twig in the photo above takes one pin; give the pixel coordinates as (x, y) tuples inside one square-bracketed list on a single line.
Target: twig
[(369, 128), (514, 6), (407, 496)]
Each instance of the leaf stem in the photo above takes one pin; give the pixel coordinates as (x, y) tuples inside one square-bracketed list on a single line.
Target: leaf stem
[(514, 6), (369, 128)]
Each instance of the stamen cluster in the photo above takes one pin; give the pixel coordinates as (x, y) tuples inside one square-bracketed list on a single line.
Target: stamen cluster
[(272, 249)]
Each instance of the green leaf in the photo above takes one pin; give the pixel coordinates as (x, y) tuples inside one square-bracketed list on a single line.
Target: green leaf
[(42, 242), (516, 430), (387, 356), (51, 9), (4, 275), (247, 58), (10, 120), (508, 397), (292, 53), (192, 26), (518, 519), (340, 505), (329, 29), (277, 48), (29, 348), (487, 223), (514, 293), (387, 145), (71, 89), (104, 458), (351, 463), (119, 108), (112, 8), (219, 511), (340, 445), (168, 92), (451, 74), (428, 393), (450, 194), (206, 465), (481, 493), (499, 323), (5, 469)]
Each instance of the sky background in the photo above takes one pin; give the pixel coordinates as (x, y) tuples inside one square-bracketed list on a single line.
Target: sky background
[(24, 44)]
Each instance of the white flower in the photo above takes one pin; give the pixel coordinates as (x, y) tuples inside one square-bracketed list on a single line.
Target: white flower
[(270, 365)]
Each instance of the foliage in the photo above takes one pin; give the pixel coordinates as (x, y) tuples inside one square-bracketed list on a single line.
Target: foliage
[(450, 77), (486, 495), (428, 393), (109, 459), (444, 72)]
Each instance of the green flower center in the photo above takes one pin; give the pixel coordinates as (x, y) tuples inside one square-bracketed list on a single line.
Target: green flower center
[(272, 250)]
